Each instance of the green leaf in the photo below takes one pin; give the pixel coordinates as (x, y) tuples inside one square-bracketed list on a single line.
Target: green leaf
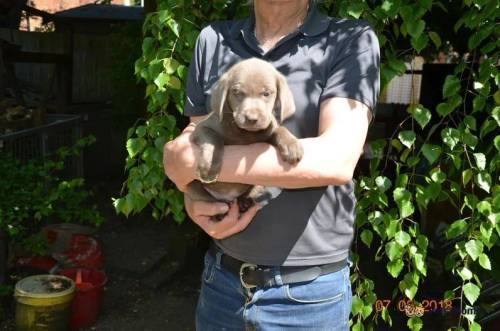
[(383, 183), (392, 228), (444, 109), (403, 200), (469, 139), (170, 65), (356, 9), (487, 127), (422, 242), (481, 34), (358, 326), (366, 237), (484, 261), (408, 287), (402, 238), (415, 28), (141, 131), (394, 267), (451, 86), (480, 160), (450, 137), (418, 260), (484, 207), (466, 176), (174, 26), (393, 250), (465, 273), (471, 292), (174, 83), (474, 248), (386, 316), (496, 114), (357, 304), (474, 327), (448, 295), (420, 42), (431, 152), (437, 175), (161, 80), (407, 138), (483, 179), (367, 310), (456, 228), (420, 114), (135, 145), (415, 323), (496, 142), (470, 122), (435, 38)]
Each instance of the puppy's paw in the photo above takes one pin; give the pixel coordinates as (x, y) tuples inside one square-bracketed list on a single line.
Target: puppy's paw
[(292, 152), (245, 203)]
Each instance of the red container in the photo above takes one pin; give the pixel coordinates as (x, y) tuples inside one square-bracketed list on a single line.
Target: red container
[(84, 252), (88, 297)]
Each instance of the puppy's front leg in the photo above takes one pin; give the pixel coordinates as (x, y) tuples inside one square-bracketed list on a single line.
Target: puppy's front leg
[(211, 145), (288, 145)]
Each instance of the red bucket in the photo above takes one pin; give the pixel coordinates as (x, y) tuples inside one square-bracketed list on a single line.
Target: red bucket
[(88, 297)]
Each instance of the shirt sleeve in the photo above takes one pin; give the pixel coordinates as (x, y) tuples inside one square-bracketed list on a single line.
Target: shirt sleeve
[(196, 98), (355, 71)]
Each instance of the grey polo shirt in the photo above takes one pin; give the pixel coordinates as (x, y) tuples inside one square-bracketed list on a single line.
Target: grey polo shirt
[(326, 57)]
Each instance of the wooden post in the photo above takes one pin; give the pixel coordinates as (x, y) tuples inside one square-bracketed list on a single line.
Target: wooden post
[(3, 256)]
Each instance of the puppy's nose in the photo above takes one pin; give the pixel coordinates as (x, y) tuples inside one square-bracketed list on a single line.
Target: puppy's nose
[(251, 118)]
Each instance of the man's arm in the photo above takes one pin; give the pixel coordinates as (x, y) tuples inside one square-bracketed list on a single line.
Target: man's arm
[(329, 158)]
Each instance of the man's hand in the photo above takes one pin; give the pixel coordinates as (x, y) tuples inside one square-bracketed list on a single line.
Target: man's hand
[(180, 157), (201, 213)]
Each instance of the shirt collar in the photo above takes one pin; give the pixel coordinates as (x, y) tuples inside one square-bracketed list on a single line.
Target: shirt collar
[(314, 24)]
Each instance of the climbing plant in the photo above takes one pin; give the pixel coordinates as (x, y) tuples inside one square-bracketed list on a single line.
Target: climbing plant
[(447, 156)]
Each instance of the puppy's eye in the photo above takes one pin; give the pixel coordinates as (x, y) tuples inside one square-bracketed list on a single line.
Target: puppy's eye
[(237, 93), (265, 94)]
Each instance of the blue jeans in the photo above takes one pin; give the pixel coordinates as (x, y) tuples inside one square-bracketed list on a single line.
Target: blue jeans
[(323, 304)]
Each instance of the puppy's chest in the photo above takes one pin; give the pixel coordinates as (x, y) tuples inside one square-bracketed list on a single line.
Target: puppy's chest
[(236, 136)]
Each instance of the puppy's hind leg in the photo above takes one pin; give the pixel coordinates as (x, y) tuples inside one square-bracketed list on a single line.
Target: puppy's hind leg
[(197, 192)]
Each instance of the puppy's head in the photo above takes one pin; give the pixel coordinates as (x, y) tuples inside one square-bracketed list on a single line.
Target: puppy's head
[(254, 93)]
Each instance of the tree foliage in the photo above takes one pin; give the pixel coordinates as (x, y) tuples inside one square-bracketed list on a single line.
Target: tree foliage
[(447, 155)]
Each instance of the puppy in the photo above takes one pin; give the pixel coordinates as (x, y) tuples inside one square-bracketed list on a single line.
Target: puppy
[(248, 105)]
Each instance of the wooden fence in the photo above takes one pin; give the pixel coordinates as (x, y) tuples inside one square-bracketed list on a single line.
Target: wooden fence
[(91, 62)]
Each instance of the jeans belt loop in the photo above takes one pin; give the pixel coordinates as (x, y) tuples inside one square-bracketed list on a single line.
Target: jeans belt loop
[(277, 278)]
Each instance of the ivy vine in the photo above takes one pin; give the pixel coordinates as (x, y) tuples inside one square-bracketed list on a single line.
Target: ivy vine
[(447, 155)]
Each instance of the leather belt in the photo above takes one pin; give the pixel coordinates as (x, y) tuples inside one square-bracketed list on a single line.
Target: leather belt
[(252, 275)]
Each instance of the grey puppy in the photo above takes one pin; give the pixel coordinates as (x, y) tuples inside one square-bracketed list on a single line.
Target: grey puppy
[(248, 105)]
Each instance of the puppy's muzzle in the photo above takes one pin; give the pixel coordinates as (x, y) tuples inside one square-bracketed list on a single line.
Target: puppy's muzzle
[(252, 120)]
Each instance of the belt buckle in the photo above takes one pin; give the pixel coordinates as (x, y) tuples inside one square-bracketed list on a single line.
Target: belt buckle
[(242, 269)]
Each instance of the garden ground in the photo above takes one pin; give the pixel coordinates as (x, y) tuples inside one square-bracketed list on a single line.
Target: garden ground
[(150, 287)]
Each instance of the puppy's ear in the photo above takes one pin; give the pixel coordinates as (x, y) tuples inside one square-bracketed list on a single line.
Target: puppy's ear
[(219, 93), (284, 105)]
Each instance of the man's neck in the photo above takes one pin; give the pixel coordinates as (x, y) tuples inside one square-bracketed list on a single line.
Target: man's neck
[(273, 21)]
